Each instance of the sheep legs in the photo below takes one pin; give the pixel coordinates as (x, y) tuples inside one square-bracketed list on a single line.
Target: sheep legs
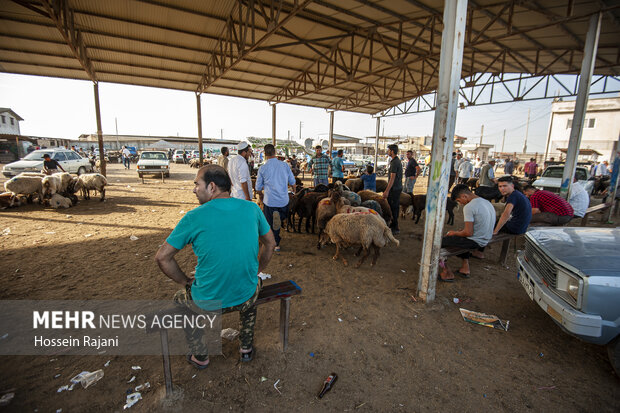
[(102, 194), (376, 256), (344, 261), (361, 261)]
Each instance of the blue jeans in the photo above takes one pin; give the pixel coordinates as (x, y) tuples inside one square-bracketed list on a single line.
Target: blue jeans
[(126, 163), (320, 181), (409, 184), (283, 212)]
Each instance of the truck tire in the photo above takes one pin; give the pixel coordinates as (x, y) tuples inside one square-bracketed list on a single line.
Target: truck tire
[(613, 350)]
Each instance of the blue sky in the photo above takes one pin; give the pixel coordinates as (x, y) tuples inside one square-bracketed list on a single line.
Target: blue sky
[(65, 109)]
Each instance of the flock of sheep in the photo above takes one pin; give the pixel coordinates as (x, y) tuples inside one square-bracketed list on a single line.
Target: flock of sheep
[(57, 190)]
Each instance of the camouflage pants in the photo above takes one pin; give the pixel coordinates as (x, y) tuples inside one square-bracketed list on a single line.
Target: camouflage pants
[(247, 321)]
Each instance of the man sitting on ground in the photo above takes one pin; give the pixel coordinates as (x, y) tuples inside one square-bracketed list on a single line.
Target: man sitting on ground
[(518, 211), (479, 217), (219, 227), (579, 199), (547, 207)]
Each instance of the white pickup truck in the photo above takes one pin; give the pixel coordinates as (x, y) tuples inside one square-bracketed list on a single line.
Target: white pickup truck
[(551, 179)]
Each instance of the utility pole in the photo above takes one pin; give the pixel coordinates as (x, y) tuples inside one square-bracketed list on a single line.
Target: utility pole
[(117, 141), (300, 138), (527, 128), (503, 139), (289, 135), (481, 133), (221, 133)]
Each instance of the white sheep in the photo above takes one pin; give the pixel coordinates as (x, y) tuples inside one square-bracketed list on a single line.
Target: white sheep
[(59, 201), (51, 185), (91, 182), (364, 229), (24, 185)]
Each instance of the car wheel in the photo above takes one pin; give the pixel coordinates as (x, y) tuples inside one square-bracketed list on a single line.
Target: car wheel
[(167, 174), (613, 350), (139, 175), (81, 170)]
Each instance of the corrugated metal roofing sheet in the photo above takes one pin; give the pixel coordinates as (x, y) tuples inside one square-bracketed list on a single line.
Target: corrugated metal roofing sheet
[(359, 55)]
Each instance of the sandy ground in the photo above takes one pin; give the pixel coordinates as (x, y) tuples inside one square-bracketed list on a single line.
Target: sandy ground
[(391, 353)]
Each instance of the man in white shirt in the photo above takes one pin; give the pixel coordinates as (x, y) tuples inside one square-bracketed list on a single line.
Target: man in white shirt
[(579, 199), (126, 154), (477, 166), (602, 169), (240, 173), (464, 172)]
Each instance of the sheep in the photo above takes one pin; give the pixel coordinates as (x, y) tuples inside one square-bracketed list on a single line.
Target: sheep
[(472, 183), (54, 183), (327, 208), (406, 203), (362, 229), (419, 203), (343, 207), (386, 212), (194, 163), (355, 185), (91, 182), (24, 185), (353, 198), (306, 208), (7, 201), (59, 201), (374, 205), (293, 206), (381, 185)]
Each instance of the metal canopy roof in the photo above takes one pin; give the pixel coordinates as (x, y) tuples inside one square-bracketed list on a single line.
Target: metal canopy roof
[(358, 55)]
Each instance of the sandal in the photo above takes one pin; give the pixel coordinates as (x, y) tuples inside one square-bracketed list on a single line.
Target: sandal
[(445, 280), (246, 357), (462, 274), (193, 363)]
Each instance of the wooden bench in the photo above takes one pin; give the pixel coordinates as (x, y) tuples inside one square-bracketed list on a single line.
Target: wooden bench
[(502, 237), (593, 209), (281, 291)]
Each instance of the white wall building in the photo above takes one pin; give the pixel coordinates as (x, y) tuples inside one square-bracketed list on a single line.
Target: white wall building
[(601, 127), (9, 122)]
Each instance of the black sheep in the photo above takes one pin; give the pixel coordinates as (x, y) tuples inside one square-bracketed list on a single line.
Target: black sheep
[(419, 203)]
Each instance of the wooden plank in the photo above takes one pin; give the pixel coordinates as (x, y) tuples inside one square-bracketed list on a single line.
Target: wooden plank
[(165, 353), (285, 311)]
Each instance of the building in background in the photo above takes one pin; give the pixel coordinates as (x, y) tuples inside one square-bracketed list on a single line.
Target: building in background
[(9, 122), (601, 128)]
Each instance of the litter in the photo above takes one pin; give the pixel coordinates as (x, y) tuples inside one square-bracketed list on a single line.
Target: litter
[(58, 410), (262, 379), (456, 300), (132, 399), (76, 379), (181, 212), (547, 388), (147, 385), (229, 334), (136, 368), (56, 376), (6, 399), (264, 276), (4, 336), (131, 379), (6, 231), (541, 355), (403, 271), (339, 319), (50, 232), (133, 238), (88, 235), (275, 386), (107, 363), (68, 216), (62, 388), (194, 376), (484, 319), (91, 378), (311, 354)]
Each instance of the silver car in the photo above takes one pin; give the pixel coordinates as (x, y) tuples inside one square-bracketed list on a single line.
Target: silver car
[(70, 161), (153, 162), (573, 274)]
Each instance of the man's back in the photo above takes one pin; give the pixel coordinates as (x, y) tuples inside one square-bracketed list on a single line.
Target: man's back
[(465, 169), (521, 214), (485, 175), (579, 200), (337, 164), (547, 201), (224, 236), (239, 173), (275, 176), (509, 168), (223, 161)]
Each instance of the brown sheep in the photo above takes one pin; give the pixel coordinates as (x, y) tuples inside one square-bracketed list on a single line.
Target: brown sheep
[(363, 229), (406, 203), (386, 212), (381, 185), (354, 185), (327, 208)]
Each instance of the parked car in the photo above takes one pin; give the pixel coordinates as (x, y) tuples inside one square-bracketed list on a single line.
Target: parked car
[(153, 162), (573, 274), (178, 156), (70, 160), (194, 155), (551, 179)]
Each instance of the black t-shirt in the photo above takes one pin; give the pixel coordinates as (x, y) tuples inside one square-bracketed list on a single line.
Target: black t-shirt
[(51, 164), (410, 170), (396, 167)]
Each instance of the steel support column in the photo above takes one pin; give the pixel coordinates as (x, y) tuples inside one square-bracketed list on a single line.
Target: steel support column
[(613, 184), (199, 116), (377, 143), (548, 138), (450, 64), (331, 132), (102, 167), (273, 124), (587, 68)]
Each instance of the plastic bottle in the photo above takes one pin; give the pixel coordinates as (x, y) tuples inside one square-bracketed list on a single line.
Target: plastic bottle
[(91, 378)]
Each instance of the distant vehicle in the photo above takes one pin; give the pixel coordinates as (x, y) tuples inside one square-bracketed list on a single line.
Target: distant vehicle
[(153, 162), (178, 156), (551, 179), (194, 155), (421, 160), (70, 160), (132, 150), (573, 274)]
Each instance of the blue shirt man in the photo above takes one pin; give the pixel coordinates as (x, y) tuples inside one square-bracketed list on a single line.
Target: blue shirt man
[(369, 179), (338, 167), (275, 176), (518, 211), (224, 233)]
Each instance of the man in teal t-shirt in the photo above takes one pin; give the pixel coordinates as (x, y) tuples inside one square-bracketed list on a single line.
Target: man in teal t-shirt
[(224, 234), (338, 168)]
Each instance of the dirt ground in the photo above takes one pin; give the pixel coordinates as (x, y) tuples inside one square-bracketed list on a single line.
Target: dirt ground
[(390, 352)]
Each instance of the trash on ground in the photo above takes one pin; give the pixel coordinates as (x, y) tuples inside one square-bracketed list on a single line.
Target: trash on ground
[(486, 320), (133, 238), (6, 231), (107, 363), (264, 276), (88, 235), (131, 379), (456, 300), (181, 212), (62, 388), (132, 399), (262, 379), (327, 384), (76, 379), (275, 386), (6, 399), (136, 368), (339, 319), (547, 388), (5, 335), (229, 334), (311, 354), (91, 378), (56, 376), (403, 271), (147, 385)]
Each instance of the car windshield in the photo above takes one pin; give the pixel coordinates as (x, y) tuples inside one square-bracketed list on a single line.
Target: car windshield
[(36, 155), (557, 173), (154, 155)]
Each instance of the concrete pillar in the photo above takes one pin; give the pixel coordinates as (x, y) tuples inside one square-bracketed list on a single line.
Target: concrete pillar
[(377, 143), (331, 133), (548, 138), (199, 116), (450, 64), (613, 184), (585, 79), (102, 166), (273, 124)]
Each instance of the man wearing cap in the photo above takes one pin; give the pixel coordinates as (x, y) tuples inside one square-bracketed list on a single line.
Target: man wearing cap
[(50, 166), (274, 177), (319, 167), (240, 173)]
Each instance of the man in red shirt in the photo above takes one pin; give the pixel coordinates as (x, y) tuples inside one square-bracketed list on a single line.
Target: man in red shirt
[(530, 168), (547, 207)]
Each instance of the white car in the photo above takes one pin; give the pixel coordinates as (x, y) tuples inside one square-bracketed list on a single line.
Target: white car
[(551, 179), (70, 161), (153, 162), (178, 156)]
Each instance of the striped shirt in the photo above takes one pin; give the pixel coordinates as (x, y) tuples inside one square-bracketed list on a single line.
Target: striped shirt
[(320, 166), (547, 201)]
